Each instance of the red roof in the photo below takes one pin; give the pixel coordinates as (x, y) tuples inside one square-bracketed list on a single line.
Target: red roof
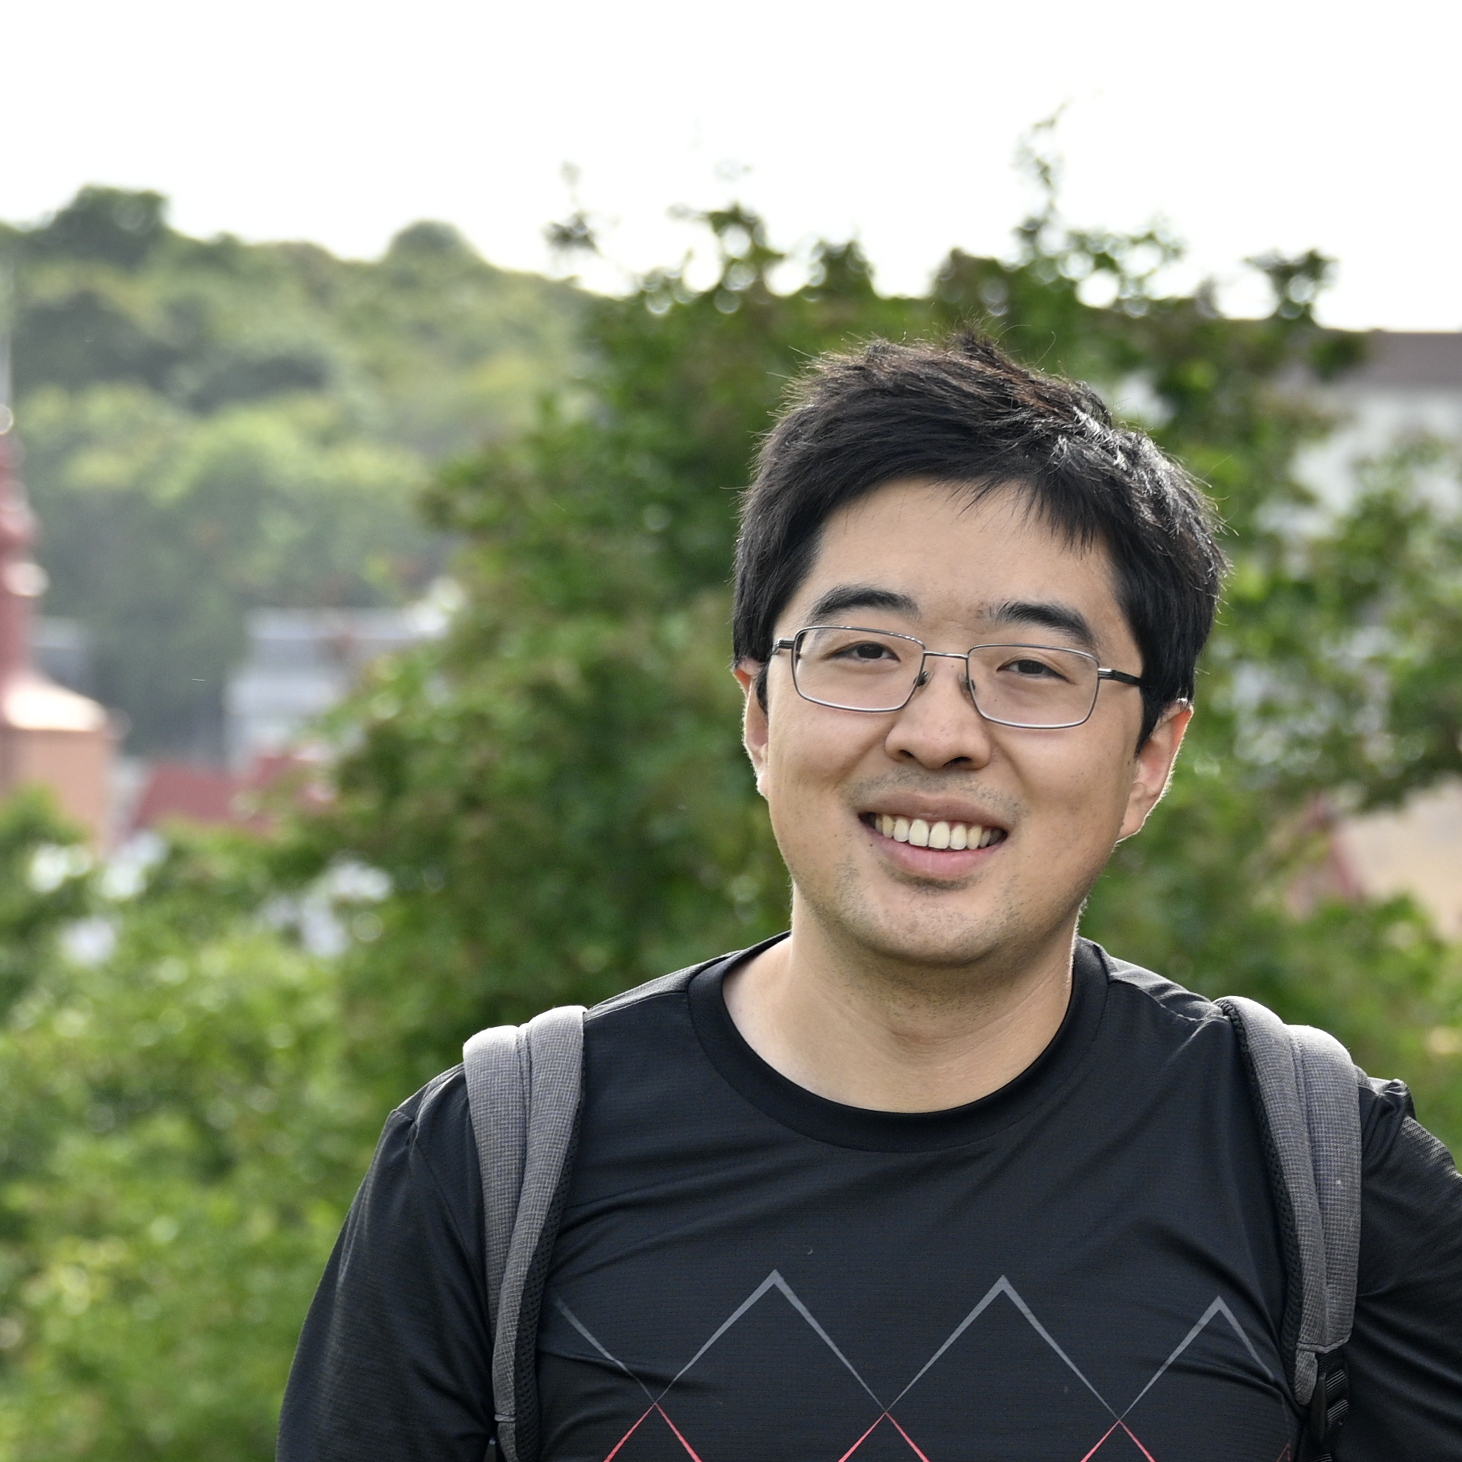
[(183, 790)]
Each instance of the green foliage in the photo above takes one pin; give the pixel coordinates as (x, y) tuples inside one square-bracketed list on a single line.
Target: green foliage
[(178, 1141), (217, 425), (40, 864)]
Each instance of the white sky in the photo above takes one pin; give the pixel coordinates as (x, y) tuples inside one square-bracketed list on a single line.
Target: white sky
[(1248, 126)]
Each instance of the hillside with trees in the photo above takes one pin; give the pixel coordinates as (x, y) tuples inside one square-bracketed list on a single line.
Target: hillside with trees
[(213, 425)]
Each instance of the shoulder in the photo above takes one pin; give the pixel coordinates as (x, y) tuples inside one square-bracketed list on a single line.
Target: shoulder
[(1385, 1109), (1391, 1136), (648, 993), (1158, 991), (666, 989), (437, 1107), (1141, 995), (1385, 1105), (1404, 1162), (429, 1136), (637, 1041)]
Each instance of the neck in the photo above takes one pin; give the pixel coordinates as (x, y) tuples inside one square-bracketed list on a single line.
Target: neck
[(875, 1032)]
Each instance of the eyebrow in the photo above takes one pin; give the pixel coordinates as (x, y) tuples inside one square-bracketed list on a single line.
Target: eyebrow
[(861, 596), (1046, 614)]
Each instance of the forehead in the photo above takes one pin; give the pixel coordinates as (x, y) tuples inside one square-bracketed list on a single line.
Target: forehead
[(958, 559)]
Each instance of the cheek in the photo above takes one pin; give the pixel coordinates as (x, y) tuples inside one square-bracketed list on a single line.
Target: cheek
[(1109, 808), (1089, 793), (808, 764), (812, 749)]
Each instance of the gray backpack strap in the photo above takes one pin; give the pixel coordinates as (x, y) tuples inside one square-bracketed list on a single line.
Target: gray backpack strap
[(523, 1090), (1308, 1089)]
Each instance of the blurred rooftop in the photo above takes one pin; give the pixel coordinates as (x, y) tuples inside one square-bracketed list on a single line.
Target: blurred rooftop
[(1407, 360)]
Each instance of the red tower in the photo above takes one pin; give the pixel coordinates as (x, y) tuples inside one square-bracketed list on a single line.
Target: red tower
[(48, 735)]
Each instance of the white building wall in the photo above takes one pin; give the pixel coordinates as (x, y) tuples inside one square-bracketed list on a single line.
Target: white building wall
[(303, 662), (1409, 390)]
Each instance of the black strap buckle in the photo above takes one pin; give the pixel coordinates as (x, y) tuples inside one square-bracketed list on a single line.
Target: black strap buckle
[(1329, 1406)]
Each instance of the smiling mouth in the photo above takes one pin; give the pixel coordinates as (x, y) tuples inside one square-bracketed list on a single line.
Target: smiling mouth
[(953, 836)]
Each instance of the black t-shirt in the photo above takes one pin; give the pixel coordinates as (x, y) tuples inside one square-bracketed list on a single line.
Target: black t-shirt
[(1084, 1264)]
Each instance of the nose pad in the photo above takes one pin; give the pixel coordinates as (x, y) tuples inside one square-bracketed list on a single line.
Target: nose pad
[(939, 735), (925, 674)]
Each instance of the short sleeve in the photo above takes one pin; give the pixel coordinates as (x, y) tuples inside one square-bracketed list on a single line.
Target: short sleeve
[(1405, 1355), (395, 1359)]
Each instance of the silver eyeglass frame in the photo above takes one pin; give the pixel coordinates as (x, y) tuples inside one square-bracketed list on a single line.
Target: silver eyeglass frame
[(1103, 672)]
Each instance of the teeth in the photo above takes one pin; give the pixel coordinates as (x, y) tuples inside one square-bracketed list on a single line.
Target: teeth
[(955, 836)]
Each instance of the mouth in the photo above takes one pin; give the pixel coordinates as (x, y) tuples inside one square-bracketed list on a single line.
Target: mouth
[(940, 835)]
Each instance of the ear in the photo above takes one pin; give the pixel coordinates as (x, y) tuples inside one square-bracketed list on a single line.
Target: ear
[(754, 731), (1152, 769)]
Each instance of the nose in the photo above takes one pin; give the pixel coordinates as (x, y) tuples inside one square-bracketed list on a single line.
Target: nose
[(940, 726)]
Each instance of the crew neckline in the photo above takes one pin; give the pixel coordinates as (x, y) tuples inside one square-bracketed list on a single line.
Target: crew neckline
[(840, 1125)]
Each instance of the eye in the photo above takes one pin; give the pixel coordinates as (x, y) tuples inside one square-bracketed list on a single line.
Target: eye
[(866, 652), (1029, 668)]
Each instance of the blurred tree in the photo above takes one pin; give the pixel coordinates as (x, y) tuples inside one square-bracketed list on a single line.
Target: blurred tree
[(173, 524), (106, 225), (217, 425), (178, 1142)]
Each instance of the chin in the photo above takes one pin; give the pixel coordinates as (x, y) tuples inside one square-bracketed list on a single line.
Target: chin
[(934, 951), (940, 938)]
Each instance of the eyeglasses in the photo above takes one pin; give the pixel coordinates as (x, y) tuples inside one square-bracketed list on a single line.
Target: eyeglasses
[(1038, 687)]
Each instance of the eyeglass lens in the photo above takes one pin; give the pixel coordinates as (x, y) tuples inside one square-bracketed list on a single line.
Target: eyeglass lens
[(1017, 685)]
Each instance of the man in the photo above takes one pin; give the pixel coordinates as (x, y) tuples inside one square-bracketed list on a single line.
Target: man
[(929, 1176)]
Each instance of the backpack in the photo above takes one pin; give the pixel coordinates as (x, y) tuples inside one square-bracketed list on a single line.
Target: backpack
[(524, 1085)]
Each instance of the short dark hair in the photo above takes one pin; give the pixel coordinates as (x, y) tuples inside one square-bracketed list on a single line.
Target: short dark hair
[(963, 412)]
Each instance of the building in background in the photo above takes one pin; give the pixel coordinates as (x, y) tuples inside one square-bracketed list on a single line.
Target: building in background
[(1406, 393), (302, 662), (1405, 397), (50, 736), (1416, 850), (62, 649), (172, 791)]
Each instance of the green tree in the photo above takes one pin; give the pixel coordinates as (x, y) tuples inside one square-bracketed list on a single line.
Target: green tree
[(178, 1142)]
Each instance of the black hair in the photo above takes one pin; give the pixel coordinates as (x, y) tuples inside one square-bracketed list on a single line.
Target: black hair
[(966, 414)]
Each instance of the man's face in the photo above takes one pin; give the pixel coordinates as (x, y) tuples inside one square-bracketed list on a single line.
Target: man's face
[(926, 561)]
